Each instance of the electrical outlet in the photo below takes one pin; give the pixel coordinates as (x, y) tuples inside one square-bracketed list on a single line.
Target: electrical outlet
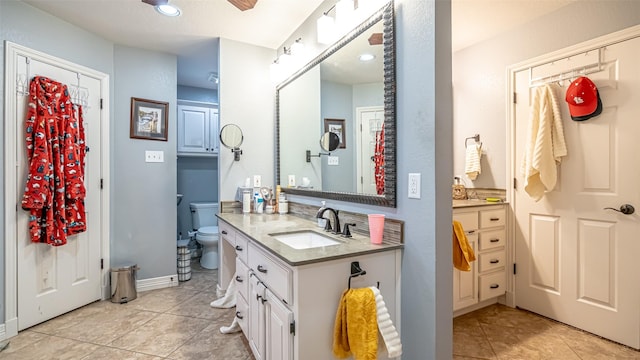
[(292, 180), (257, 181), (333, 160), (414, 186), (154, 156)]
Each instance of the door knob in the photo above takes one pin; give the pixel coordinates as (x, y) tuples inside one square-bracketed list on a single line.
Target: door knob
[(626, 209)]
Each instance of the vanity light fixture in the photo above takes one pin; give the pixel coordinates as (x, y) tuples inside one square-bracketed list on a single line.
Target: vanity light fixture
[(168, 10), (297, 48), (366, 57), (213, 77), (325, 28)]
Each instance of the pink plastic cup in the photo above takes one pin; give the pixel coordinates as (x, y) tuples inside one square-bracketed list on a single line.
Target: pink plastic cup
[(376, 228)]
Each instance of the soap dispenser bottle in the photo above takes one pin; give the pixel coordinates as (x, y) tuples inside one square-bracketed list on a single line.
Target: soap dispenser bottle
[(322, 221)]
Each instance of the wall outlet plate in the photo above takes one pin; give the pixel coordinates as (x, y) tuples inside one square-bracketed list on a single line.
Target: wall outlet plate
[(154, 156), (414, 186), (257, 181), (292, 180)]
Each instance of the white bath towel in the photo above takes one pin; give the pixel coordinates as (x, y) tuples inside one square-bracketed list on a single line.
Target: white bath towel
[(385, 326), (472, 161), (229, 298), (545, 144)]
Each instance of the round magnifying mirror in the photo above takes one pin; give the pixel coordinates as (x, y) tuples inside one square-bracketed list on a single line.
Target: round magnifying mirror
[(231, 136), (329, 141)]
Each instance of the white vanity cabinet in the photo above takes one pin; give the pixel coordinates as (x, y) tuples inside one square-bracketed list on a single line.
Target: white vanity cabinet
[(485, 227), (290, 309), (197, 130)]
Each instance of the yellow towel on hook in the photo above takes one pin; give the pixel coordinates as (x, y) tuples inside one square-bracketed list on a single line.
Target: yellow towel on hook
[(356, 327), (463, 254)]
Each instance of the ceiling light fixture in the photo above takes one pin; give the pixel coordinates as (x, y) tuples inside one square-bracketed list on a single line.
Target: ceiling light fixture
[(168, 10), (366, 57)]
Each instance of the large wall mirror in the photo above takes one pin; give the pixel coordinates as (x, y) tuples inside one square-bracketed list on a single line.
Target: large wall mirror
[(355, 99)]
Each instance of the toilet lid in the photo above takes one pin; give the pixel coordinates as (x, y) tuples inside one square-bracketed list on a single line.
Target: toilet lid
[(208, 230)]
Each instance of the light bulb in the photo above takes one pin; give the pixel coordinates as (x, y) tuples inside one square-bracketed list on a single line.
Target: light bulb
[(325, 29)]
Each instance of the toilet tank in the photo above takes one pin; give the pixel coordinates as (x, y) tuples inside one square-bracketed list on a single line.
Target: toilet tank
[(203, 214)]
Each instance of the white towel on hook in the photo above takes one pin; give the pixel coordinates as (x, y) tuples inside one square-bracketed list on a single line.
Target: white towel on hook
[(545, 144), (229, 298), (385, 326), (472, 161)]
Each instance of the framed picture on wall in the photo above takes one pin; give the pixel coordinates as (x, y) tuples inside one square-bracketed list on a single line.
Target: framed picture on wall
[(149, 119), (336, 126)]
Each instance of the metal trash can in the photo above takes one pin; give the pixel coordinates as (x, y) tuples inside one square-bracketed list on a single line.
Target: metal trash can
[(123, 284)]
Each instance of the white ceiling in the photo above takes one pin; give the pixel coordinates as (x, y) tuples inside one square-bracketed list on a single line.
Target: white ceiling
[(193, 35)]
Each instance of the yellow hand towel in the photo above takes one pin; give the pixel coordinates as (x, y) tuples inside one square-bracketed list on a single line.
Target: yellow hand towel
[(356, 326), (463, 254)]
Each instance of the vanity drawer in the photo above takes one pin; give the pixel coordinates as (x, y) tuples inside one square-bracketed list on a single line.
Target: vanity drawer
[(274, 275), (242, 247), (242, 278), (468, 220), (492, 285), (492, 239), (227, 233), (492, 218), (491, 260), (242, 313)]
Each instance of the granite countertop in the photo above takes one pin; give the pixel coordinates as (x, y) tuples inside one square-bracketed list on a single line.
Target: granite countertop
[(259, 226), (474, 202)]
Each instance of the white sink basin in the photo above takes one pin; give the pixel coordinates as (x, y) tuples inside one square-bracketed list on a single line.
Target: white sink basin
[(304, 239)]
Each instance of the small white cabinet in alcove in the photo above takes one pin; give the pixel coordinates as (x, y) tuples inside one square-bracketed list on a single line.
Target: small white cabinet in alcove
[(197, 129)]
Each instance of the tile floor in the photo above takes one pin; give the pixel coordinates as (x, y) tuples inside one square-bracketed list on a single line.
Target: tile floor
[(172, 323), (500, 332)]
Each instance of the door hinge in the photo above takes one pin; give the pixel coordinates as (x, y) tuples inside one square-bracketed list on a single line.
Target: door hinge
[(515, 98), (100, 103), (101, 264), (101, 183), (514, 269), (292, 328), (515, 183)]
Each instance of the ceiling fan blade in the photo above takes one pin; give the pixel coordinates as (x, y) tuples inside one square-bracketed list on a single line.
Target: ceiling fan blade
[(155, 2), (243, 4)]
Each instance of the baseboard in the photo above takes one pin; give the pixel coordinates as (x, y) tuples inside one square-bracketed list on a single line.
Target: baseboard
[(157, 283), (3, 333)]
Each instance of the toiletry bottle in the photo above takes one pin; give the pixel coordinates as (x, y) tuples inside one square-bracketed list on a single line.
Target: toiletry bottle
[(277, 199), (322, 221), (246, 202)]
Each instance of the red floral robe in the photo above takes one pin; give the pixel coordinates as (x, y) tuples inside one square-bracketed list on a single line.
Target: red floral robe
[(378, 159), (54, 136)]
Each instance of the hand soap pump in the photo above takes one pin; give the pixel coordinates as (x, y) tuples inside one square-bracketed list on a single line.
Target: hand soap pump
[(322, 221)]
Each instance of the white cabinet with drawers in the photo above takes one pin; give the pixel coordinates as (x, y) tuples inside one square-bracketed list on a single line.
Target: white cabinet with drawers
[(485, 227)]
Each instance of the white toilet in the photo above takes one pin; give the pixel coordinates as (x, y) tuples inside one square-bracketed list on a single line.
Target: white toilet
[(204, 220)]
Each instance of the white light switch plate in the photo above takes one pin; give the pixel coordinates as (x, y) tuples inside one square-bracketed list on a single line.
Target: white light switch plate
[(414, 186), (333, 160), (154, 156), (257, 181)]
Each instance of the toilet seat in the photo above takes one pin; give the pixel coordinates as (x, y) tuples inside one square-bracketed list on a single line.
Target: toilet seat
[(209, 233)]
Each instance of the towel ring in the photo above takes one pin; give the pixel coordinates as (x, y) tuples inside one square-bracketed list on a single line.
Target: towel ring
[(475, 137)]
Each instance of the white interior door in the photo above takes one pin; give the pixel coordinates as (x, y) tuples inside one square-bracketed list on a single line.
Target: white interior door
[(55, 280), (577, 261), (370, 121)]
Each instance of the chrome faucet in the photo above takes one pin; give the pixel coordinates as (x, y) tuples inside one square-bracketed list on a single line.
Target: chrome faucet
[(335, 216)]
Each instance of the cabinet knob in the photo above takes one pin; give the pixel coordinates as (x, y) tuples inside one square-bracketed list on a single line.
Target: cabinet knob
[(238, 247), (262, 269), (239, 316), (494, 286), (239, 279)]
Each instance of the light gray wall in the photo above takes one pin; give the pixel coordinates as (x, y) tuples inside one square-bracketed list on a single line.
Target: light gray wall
[(424, 116), (197, 181), (27, 26), (197, 94), (246, 99), (337, 103), (479, 76), (144, 193)]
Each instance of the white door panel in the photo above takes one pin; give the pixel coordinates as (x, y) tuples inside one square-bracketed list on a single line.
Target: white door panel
[(576, 260), (370, 122), (55, 280)]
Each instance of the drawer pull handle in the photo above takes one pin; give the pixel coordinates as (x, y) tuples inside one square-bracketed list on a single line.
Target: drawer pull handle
[(262, 269), (495, 261), (494, 286), (239, 279), (495, 219), (224, 232), (238, 247), (471, 231), (494, 240), (239, 316)]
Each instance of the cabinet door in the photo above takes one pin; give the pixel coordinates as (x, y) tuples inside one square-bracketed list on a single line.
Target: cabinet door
[(213, 131), (465, 285), (279, 320), (256, 317), (193, 129)]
